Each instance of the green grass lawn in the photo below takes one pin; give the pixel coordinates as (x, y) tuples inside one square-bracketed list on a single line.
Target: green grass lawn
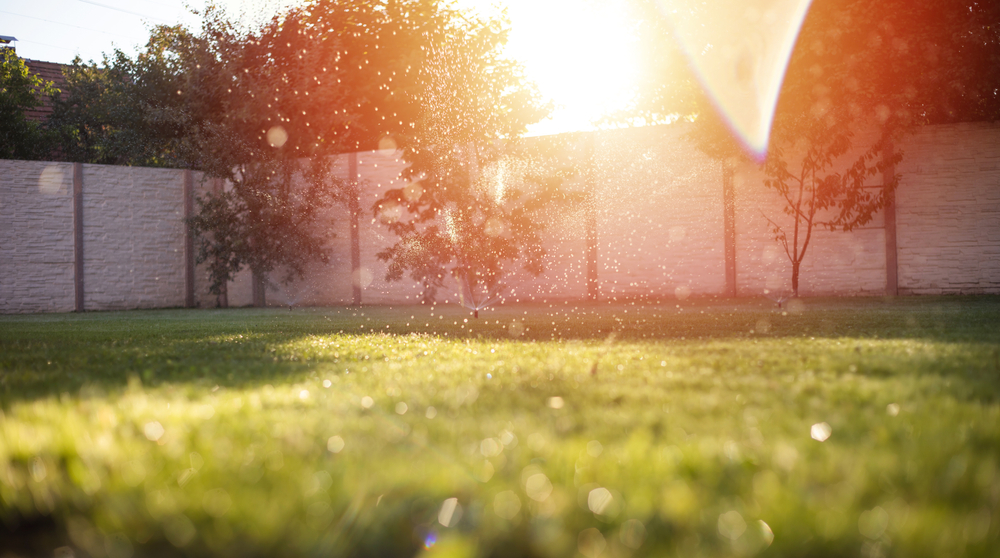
[(856, 427)]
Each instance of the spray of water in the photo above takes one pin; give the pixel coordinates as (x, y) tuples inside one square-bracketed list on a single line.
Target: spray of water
[(778, 296), (475, 295)]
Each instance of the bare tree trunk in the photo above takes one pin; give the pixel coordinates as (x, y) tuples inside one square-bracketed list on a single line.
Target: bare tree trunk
[(795, 278), (259, 288)]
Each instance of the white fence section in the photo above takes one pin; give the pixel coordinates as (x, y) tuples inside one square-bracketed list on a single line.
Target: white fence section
[(97, 237)]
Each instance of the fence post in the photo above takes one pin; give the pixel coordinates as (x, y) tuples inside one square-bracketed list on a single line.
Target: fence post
[(593, 287), (891, 265), (729, 225), (353, 204), (188, 239), (78, 236)]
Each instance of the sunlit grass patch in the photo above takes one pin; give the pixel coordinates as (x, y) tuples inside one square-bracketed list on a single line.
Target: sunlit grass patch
[(840, 428)]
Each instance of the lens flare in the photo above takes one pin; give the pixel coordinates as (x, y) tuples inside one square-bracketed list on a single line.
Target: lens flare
[(430, 540), (740, 50)]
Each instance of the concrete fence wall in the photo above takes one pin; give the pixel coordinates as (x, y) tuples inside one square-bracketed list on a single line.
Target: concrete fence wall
[(96, 237)]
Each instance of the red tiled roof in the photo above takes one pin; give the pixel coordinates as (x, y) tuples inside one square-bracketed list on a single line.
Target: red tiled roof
[(49, 71)]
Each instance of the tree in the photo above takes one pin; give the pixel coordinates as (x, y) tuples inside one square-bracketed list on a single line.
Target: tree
[(471, 229), (332, 77), (20, 90), (470, 209), (873, 72), (128, 111), (861, 75), (816, 195), (269, 113), (264, 107), (259, 108)]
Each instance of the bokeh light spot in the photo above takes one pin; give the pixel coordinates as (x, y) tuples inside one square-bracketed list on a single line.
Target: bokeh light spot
[(451, 512), (506, 504), (820, 431), (594, 448), (277, 136), (153, 431), (387, 144), (599, 500), (335, 444), (591, 543), (632, 533), (732, 525), (51, 181), (538, 487)]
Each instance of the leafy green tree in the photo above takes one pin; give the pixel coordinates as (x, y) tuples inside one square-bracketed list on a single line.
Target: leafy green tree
[(470, 209), (20, 90), (263, 108), (128, 111), (268, 113), (260, 108), (331, 77)]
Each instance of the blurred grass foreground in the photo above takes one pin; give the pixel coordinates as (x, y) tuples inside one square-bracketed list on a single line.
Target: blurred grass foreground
[(827, 428)]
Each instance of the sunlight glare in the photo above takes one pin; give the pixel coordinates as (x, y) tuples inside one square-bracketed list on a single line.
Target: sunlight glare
[(581, 54)]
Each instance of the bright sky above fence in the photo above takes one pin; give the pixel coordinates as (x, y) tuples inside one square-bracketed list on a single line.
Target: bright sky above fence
[(578, 51)]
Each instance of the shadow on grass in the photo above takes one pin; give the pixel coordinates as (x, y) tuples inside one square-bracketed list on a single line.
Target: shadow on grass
[(89, 354)]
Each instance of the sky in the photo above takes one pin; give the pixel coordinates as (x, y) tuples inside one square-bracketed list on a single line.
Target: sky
[(579, 52)]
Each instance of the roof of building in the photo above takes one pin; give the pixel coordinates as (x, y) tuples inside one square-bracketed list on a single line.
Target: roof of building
[(49, 71)]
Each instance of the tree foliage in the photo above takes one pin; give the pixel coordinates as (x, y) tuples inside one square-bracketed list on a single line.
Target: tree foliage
[(814, 193), (471, 208), (473, 223), (264, 107), (861, 75), (20, 90)]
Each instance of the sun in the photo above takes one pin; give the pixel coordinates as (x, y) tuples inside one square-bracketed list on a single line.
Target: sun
[(580, 53)]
